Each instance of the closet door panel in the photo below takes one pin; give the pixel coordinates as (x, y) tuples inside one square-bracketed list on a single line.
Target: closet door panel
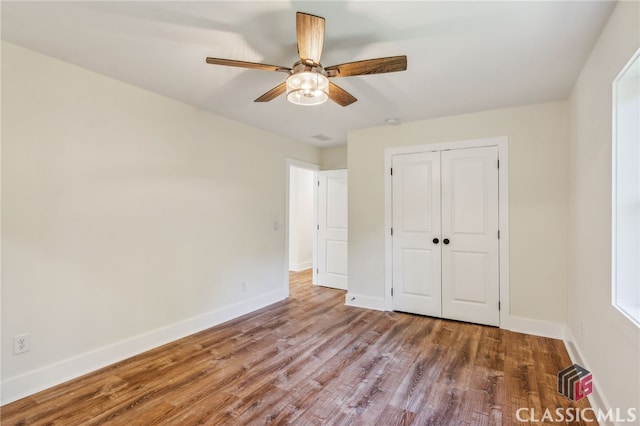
[(416, 222), (470, 276)]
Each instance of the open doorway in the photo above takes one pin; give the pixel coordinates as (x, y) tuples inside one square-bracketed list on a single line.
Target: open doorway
[(301, 219)]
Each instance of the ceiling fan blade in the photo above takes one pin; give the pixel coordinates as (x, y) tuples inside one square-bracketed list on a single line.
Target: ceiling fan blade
[(340, 96), (273, 93), (243, 64), (310, 34), (368, 66)]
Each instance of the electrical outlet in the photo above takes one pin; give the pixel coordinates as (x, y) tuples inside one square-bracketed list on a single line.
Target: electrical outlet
[(20, 343)]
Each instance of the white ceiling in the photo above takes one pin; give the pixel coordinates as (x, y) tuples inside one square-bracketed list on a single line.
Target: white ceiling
[(462, 56)]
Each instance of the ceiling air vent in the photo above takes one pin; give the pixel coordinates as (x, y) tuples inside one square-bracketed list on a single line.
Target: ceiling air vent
[(321, 137)]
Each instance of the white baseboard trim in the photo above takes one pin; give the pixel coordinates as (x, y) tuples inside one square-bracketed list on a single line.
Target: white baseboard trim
[(597, 400), (376, 303), (537, 327), (297, 267), (26, 384)]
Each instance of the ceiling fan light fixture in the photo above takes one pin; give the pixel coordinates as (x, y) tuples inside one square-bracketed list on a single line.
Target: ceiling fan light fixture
[(307, 88)]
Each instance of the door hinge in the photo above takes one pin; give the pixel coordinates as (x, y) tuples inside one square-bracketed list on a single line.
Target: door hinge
[(498, 163), (319, 229), (317, 270), (318, 182), (498, 305), (392, 171), (391, 291), (498, 234), (392, 232)]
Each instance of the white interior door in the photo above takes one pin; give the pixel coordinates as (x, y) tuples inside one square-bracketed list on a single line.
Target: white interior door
[(416, 223), (470, 279), (332, 229)]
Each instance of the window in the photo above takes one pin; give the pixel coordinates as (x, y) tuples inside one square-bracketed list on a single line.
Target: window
[(626, 190)]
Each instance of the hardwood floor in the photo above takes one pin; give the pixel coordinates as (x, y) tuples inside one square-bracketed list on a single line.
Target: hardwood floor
[(312, 360)]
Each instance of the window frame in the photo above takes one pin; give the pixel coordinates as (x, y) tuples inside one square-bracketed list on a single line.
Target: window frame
[(623, 308)]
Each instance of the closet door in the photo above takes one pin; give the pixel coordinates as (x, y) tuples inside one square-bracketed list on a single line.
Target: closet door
[(416, 225), (470, 280)]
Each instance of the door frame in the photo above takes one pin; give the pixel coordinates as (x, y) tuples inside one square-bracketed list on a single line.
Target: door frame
[(289, 163), (501, 143)]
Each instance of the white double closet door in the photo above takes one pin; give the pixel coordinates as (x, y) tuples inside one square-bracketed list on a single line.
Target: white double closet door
[(445, 234)]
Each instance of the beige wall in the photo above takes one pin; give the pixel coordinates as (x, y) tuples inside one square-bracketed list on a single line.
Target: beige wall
[(608, 342), (333, 158), (538, 137), (125, 213)]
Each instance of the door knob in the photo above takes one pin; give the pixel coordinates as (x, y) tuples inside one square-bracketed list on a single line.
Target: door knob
[(436, 241), (446, 241)]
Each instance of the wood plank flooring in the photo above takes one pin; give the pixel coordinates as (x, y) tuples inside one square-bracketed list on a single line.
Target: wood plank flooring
[(311, 360)]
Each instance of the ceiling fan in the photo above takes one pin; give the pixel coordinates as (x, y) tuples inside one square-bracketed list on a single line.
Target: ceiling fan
[(308, 82)]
